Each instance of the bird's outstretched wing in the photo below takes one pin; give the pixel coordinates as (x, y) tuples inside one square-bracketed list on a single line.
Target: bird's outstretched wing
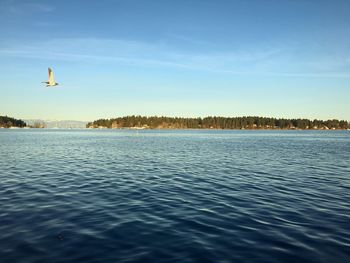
[(51, 78)]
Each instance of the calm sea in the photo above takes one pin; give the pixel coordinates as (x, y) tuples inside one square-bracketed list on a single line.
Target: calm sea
[(174, 196)]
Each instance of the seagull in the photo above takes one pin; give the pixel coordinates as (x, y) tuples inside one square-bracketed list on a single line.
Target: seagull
[(51, 82)]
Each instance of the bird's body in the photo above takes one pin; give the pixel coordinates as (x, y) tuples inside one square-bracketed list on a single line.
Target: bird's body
[(51, 82)]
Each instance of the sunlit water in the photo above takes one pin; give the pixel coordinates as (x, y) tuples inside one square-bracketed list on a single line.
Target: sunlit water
[(174, 196)]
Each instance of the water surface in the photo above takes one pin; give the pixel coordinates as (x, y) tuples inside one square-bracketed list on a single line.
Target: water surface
[(174, 196)]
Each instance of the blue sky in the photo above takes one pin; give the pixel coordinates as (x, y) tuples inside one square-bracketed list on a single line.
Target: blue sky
[(279, 58)]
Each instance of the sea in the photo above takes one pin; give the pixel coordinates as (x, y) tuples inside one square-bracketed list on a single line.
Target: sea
[(174, 196)]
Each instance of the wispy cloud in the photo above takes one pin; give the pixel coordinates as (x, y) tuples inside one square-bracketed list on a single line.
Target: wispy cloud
[(87, 58), (272, 61), (17, 7)]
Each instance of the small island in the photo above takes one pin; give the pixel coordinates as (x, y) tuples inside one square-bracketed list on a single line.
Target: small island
[(247, 122), (9, 122)]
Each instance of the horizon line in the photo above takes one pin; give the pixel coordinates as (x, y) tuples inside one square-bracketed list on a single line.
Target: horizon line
[(185, 117)]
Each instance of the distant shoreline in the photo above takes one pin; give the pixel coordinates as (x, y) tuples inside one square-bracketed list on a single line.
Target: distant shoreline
[(211, 129), (194, 129), (179, 123), (220, 123)]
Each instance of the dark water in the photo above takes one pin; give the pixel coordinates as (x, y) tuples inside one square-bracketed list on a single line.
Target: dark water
[(174, 196)]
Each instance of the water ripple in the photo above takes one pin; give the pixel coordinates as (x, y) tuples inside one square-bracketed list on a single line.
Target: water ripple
[(174, 196)]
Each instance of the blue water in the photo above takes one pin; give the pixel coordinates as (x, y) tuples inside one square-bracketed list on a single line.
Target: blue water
[(174, 196)]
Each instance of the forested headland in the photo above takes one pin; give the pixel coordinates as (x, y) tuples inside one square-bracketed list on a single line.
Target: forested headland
[(249, 122), (7, 122)]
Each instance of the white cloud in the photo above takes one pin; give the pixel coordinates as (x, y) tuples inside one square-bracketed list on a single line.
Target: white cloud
[(269, 61)]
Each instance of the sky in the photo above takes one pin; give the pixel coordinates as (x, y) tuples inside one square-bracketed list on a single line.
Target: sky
[(190, 58)]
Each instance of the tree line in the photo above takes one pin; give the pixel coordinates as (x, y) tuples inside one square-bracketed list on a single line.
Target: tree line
[(8, 122), (246, 122)]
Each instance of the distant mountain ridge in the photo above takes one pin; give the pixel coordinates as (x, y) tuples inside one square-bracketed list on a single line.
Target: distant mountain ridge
[(63, 124)]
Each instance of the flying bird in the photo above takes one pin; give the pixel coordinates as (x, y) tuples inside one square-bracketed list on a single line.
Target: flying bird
[(51, 82)]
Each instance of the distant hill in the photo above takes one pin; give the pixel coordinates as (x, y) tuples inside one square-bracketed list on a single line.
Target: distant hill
[(65, 124), (7, 122)]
